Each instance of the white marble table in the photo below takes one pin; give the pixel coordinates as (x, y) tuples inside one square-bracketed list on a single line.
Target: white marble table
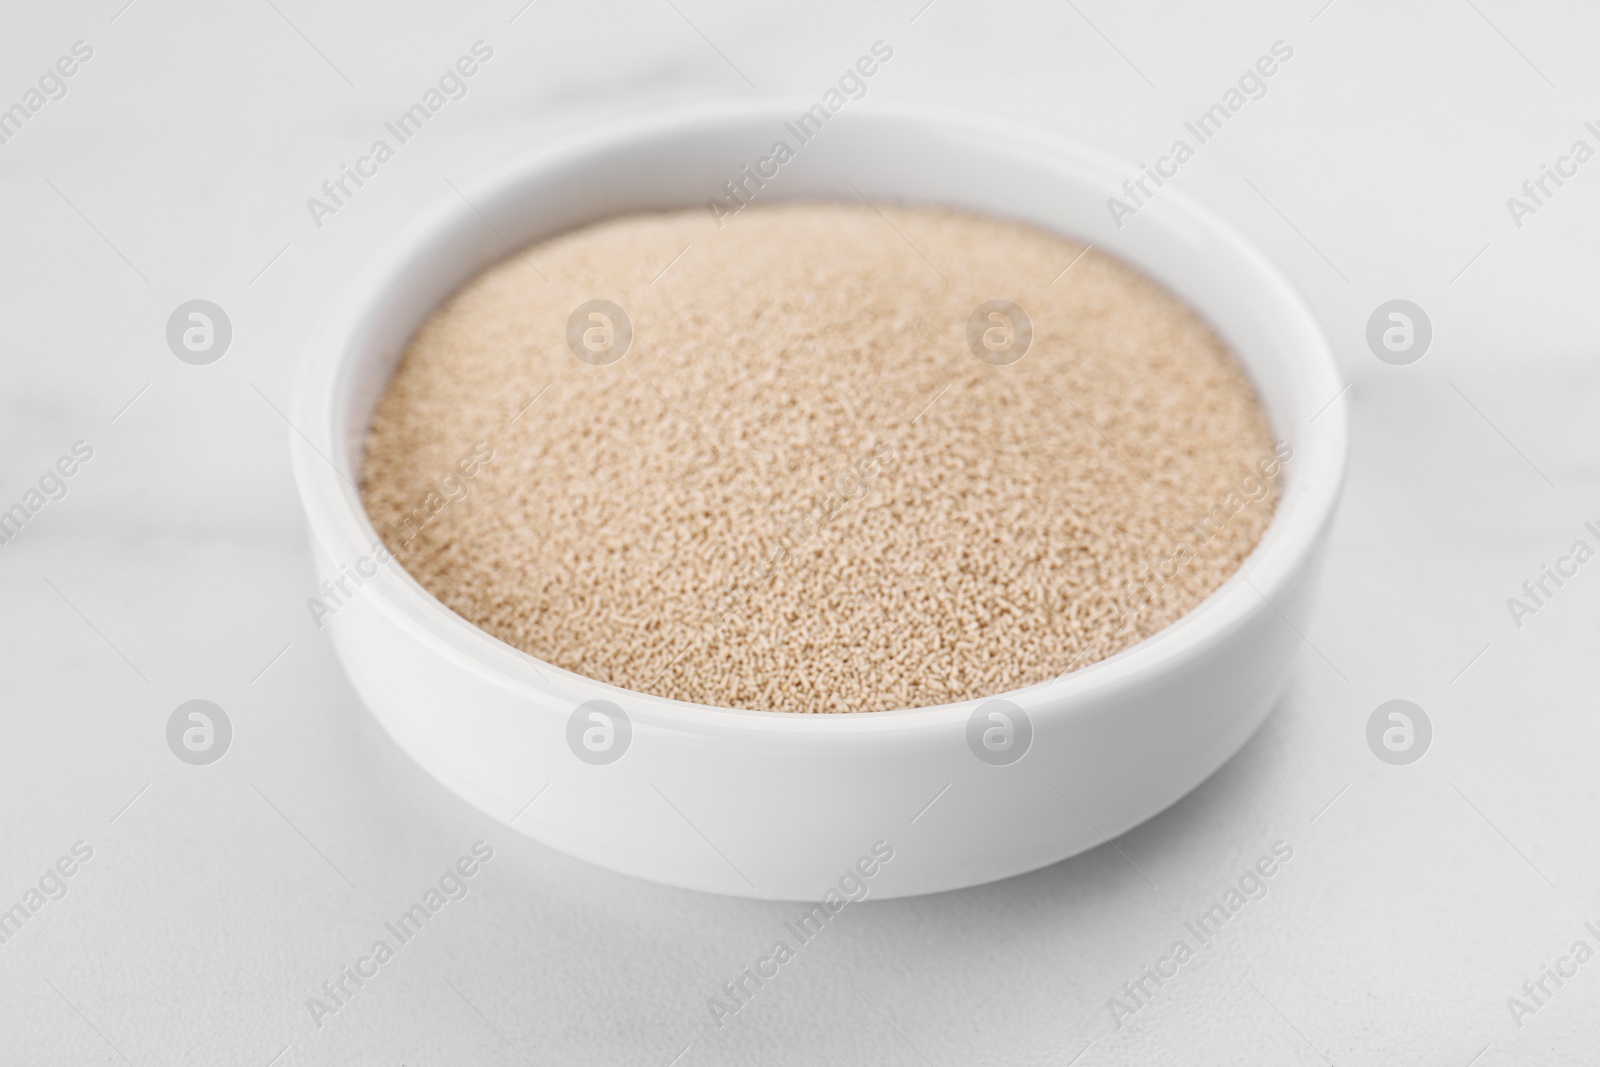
[(219, 898)]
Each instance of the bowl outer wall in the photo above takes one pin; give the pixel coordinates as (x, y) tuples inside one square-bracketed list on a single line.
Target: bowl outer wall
[(773, 804)]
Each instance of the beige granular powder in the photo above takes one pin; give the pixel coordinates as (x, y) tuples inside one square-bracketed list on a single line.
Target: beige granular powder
[(799, 489)]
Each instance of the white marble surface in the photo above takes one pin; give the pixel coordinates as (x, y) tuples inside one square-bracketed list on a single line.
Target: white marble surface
[(215, 904)]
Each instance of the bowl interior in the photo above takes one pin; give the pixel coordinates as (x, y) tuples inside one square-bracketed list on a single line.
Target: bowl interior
[(882, 155)]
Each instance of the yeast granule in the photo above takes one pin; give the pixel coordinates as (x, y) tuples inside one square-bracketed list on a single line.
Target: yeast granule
[(815, 480)]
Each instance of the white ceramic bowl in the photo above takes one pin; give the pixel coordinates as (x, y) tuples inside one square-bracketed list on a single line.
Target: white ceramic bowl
[(780, 805)]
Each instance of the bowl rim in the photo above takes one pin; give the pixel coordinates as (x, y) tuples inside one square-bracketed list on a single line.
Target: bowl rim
[(339, 524)]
